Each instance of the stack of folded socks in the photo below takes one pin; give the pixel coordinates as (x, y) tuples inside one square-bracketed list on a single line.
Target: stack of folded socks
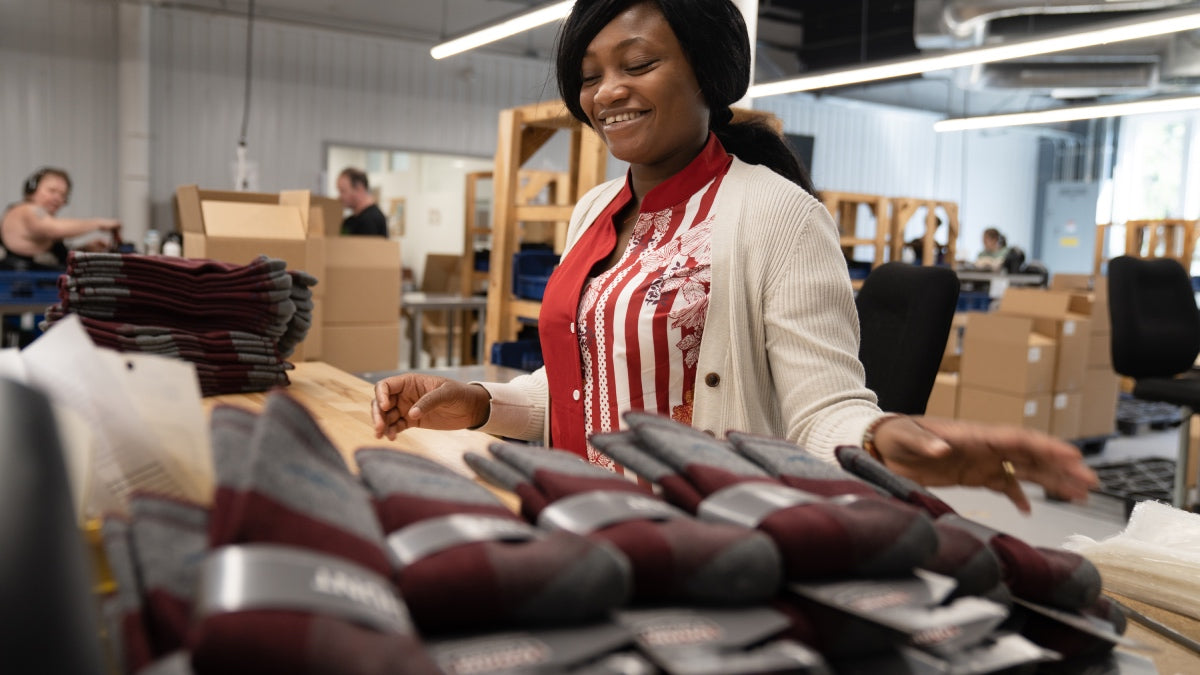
[(235, 323)]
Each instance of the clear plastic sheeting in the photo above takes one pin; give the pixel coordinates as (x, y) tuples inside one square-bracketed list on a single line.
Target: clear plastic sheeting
[(1155, 560)]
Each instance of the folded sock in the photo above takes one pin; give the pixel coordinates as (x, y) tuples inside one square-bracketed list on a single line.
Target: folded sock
[(674, 558), (1054, 577), (126, 624), (293, 489), (169, 542), (299, 492), (520, 577), (960, 555), (817, 537)]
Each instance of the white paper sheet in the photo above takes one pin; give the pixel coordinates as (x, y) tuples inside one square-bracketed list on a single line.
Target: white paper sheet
[(150, 428)]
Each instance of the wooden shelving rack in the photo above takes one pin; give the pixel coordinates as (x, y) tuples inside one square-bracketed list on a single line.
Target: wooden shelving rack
[(844, 206), (1177, 237), (904, 208), (523, 131)]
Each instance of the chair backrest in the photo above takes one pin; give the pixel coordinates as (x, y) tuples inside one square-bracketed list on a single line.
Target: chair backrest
[(905, 312), (1014, 260), (46, 602), (1155, 321)]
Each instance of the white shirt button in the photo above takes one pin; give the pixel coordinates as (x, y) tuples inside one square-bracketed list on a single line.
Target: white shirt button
[(575, 394), (572, 327)]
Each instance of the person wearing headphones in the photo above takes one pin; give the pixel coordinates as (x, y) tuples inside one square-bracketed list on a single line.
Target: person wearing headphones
[(32, 233)]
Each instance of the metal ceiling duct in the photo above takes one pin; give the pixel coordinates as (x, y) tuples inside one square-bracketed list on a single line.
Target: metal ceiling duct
[(1134, 67), (951, 24)]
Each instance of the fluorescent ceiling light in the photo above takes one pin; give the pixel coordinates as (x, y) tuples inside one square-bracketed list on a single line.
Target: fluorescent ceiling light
[(1070, 114), (517, 24), (1159, 24)]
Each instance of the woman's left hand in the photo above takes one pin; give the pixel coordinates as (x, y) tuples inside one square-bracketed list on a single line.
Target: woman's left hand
[(938, 452)]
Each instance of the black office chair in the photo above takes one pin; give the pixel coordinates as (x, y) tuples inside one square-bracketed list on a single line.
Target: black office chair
[(905, 312), (1155, 339), (46, 604)]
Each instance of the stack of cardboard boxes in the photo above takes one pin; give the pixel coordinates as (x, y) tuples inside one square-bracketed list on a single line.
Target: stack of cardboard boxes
[(1040, 361), (362, 303), (356, 323), (1101, 386)]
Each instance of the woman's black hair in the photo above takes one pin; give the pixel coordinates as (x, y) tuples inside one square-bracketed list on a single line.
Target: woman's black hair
[(713, 36)]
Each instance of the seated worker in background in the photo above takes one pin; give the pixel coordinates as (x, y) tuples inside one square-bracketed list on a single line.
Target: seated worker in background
[(995, 249), (32, 234), (917, 248), (354, 193), (706, 284)]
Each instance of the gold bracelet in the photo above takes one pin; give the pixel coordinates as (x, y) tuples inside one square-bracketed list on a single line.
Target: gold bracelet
[(868, 439)]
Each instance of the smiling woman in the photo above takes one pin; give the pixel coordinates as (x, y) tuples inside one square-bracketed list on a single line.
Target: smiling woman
[(707, 285)]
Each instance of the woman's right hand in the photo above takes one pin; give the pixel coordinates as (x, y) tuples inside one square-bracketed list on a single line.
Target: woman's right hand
[(428, 402)]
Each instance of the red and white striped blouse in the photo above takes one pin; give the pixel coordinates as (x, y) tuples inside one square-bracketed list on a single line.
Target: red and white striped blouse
[(628, 339)]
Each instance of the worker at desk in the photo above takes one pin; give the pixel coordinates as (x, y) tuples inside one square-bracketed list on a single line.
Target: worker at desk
[(995, 250), (32, 233)]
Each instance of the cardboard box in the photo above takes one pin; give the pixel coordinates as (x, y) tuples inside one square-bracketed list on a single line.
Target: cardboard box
[(943, 399), (358, 348), (1099, 350), (981, 405), (1098, 409), (950, 364), (1005, 354), (1065, 413), (314, 342), (1095, 288), (362, 280), (327, 215), (1063, 316)]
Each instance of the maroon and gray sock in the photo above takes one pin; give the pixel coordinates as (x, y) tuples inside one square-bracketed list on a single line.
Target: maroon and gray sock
[(674, 557), (169, 542), (817, 537), (1049, 576), (291, 488), (959, 555), (123, 611), (514, 576)]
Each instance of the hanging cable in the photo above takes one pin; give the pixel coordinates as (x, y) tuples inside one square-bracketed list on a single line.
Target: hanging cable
[(249, 63)]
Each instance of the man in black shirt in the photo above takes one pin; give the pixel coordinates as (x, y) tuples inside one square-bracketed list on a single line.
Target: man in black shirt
[(354, 193)]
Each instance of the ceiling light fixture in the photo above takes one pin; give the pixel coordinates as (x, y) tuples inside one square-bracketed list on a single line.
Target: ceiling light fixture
[(506, 28), (1118, 31), (1085, 112)]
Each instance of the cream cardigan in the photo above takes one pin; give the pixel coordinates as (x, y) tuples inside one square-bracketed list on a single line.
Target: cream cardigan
[(780, 349)]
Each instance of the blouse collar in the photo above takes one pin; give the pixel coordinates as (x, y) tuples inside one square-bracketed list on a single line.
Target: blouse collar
[(706, 166)]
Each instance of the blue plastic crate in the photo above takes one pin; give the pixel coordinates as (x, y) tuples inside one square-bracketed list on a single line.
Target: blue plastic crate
[(531, 271), (522, 354), (974, 301), (36, 288)]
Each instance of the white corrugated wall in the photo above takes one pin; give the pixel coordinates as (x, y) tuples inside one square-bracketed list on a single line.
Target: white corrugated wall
[(862, 147), (313, 86), (58, 98)]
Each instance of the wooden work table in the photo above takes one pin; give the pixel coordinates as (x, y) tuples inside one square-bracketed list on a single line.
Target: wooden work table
[(341, 404)]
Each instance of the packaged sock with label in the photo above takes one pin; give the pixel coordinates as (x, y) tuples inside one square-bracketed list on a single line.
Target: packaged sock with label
[(817, 537), (675, 558), (1054, 577), (465, 562)]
